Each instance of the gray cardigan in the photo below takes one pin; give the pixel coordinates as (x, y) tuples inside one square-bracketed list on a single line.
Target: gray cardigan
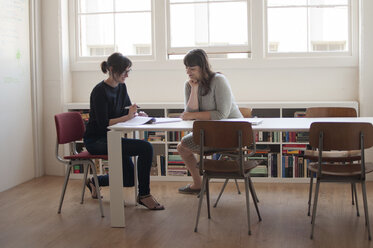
[(219, 101)]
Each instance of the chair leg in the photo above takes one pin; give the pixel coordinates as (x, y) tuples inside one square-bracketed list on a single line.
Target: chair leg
[(238, 188), (221, 192), (136, 179), (208, 198), (200, 201), (255, 200), (310, 194), (253, 191), (67, 176), (85, 167), (315, 206), (364, 190), (247, 203), (93, 167), (354, 194)]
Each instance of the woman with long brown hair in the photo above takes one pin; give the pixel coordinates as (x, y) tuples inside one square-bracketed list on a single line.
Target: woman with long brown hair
[(208, 96)]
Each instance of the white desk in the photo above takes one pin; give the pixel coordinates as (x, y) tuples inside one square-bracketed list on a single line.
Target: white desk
[(115, 149)]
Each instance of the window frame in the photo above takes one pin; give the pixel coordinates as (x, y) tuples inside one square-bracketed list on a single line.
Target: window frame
[(74, 24), (259, 59), (352, 36), (210, 49)]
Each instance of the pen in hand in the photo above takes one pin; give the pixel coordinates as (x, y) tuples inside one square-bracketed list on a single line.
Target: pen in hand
[(127, 107)]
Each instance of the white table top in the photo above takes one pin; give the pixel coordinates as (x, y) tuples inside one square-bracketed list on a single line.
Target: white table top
[(268, 124)]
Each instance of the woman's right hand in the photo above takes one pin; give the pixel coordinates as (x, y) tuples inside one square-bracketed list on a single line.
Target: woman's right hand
[(193, 83), (132, 111)]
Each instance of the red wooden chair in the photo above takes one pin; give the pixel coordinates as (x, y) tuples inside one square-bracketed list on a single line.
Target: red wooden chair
[(70, 128)]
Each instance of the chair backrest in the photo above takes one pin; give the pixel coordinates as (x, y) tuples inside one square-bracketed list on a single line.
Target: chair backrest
[(331, 112), (223, 134), (246, 112), (341, 136), (69, 126)]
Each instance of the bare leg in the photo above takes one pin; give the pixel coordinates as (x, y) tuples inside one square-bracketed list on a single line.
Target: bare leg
[(191, 164)]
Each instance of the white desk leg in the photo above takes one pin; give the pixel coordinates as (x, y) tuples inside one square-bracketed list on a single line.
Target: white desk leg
[(116, 179), (135, 171)]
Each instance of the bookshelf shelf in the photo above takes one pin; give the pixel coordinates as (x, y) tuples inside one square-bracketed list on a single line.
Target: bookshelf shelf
[(282, 160)]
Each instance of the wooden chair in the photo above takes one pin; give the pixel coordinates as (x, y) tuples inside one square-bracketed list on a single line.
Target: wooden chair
[(246, 113), (319, 112), (70, 128), (344, 137), (237, 136)]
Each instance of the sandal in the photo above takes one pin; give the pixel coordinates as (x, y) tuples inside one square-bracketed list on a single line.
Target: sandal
[(188, 190), (92, 188), (157, 206)]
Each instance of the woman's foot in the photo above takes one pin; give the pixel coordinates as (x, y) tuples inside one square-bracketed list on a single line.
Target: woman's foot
[(92, 188), (149, 202), (189, 190)]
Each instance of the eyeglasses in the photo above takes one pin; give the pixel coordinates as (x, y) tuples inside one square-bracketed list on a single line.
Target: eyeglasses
[(126, 72)]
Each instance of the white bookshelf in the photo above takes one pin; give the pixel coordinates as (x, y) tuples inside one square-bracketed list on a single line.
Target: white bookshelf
[(260, 109)]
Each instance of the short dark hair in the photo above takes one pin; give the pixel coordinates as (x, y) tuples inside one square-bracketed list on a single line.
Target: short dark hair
[(198, 57), (117, 62)]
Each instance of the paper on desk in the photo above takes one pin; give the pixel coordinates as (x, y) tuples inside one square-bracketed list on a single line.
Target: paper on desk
[(140, 120), (253, 121)]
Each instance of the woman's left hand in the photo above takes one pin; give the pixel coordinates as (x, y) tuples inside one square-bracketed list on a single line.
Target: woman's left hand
[(187, 116)]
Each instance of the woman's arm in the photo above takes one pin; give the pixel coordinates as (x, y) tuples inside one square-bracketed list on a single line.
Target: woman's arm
[(192, 104), (131, 113)]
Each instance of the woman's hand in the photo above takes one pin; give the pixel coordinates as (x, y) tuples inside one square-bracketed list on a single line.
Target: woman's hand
[(187, 116), (132, 111), (142, 113), (193, 83)]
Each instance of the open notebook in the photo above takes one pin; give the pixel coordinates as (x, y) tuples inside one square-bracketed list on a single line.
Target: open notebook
[(253, 121), (140, 120)]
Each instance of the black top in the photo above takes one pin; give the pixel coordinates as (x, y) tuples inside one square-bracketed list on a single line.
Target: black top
[(106, 103)]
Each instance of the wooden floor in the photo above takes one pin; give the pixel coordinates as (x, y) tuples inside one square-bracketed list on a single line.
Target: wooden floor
[(28, 218)]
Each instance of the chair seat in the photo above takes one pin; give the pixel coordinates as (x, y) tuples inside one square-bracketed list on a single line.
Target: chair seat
[(86, 155), (227, 166), (340, 156), (341, 169)]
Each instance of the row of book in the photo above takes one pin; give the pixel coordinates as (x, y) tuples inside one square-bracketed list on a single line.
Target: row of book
[(176, 136), (154, 135), (295, 137), (267, 136)]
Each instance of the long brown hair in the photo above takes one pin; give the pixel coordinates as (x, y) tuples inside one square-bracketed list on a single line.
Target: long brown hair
[(198, 57)]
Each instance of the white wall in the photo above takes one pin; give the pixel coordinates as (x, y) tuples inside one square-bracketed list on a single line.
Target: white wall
[(16, 133), (56, 78), (366, 62), (257, 84)]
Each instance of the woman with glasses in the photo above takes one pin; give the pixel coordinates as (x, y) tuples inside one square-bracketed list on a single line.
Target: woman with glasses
[(208, 96), (110, 104)]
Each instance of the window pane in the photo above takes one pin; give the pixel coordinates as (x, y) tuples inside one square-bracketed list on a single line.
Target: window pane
[(131, 5), (271, 3), (133, 33), (89, 6), (187, 1), (232, 29), (328, 2), (328, 29), (188, 25), (287, 29), (210, 24), (97, 35)]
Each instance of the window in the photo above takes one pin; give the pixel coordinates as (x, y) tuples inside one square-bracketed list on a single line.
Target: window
[(107, 26), (218, 26), (308, 26)]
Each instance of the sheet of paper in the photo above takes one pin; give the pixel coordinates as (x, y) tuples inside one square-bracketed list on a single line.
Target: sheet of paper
[(138, 120)]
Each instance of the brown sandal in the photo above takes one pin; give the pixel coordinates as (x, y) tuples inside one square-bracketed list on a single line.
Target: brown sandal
[(156, 207)]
